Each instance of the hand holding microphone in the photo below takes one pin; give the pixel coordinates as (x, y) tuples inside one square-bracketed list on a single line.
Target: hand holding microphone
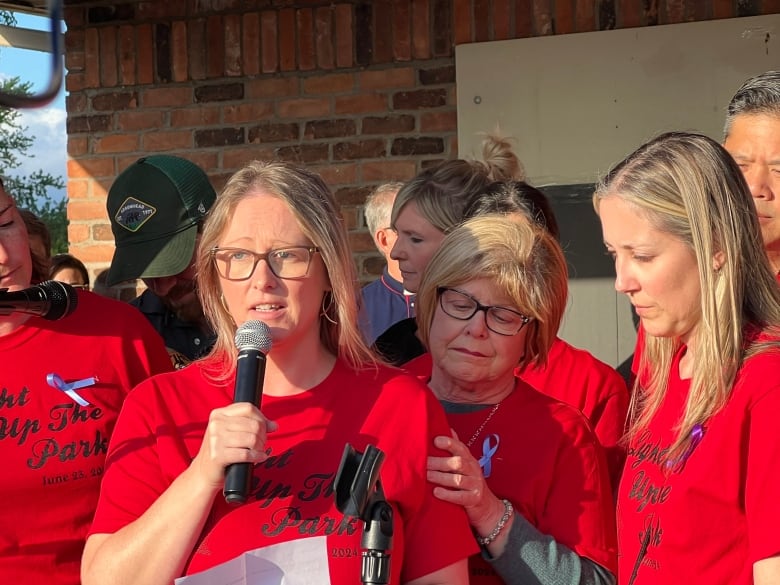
[(253, 340)]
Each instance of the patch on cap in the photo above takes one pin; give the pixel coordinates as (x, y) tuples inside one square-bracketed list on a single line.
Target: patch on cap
[(132, 214)]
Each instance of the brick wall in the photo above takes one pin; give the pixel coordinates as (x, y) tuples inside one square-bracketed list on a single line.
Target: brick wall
[(363, 92)]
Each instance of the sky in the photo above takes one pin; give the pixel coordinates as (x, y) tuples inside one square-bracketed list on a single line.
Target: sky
[(46, 125)]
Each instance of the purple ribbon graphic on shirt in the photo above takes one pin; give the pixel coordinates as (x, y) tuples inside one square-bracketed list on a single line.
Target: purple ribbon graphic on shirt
[(488, 450), (70, 388)]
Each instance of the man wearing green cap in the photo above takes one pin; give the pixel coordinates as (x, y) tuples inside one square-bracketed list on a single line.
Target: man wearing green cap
[(157, 207)]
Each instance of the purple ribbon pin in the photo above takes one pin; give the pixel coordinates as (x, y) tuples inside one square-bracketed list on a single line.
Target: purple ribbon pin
[(488, 450), (70, 388)]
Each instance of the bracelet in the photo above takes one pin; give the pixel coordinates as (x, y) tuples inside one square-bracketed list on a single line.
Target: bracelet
[(508, 511)]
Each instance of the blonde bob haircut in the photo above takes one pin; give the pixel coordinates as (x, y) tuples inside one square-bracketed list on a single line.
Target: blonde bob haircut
[(688, 186), (522, 261), (316, 211)]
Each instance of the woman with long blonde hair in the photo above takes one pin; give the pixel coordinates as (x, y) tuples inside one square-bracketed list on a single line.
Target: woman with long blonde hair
[(696, 503)]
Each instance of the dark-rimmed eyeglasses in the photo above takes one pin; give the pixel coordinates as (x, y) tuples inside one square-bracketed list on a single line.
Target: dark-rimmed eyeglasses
[(240, 264), (462, 306)]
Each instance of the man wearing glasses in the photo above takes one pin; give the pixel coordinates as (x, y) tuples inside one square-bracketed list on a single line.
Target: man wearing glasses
[(157, 207)]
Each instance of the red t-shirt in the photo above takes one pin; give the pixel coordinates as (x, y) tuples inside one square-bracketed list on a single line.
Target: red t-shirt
[(52, 449), (293, 495), (549, 464), (716, 513), (578, 379)]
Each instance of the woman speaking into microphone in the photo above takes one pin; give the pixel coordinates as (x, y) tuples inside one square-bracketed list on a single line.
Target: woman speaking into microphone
[(273, 249)]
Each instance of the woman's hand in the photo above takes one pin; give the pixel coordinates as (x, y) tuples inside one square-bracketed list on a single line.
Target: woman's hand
[(461, 482), (236, 433)]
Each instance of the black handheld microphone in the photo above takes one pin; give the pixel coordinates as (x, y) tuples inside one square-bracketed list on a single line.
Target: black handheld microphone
[(253, 340), (51, 300)]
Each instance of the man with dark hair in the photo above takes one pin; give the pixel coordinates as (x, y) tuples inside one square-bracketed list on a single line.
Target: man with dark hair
[(752, 136), (157, 207)]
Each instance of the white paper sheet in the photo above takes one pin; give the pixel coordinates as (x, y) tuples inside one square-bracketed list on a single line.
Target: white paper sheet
[(298, 562)]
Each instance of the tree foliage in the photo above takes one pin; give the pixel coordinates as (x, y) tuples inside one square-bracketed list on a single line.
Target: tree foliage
[(35, 190)]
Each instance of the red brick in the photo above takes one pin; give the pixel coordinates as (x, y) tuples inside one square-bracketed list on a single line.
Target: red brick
[(233, 45), (168, 140), (324, 39), (441, 31), (482, 21), (77, 232), (101, 232), (397, 78), (206, 160), (629, 14), (502, 19), (87, 168), (674, 12), (165, 97), (388, 124), (463, 17), (360, 103), (720, 8), (78, 189), (274, 87), (304, 23), (247, 112), (303, 108), (144, 54), (198, 116), (402, 31), (115, 143), (421, 29), (524, 25), (419, 99), (564, 18), (344, 39), (235, 158), (771, 7), (250, 43), (334, 83), (92, 64), (438, 122), (401, 170), (94, 253), (127, 56), (143, 120), (585, 19), (542, 17), (383, 32), (179, 51), (270, 50), (287, 39), (78, 146), (337, 174), (75, 61), (75, 82), (81, 209), (76, 103), (196, 48), (215, 46), (107, 36)]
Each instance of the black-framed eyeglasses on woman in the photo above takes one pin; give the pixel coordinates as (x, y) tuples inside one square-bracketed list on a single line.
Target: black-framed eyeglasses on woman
[(240, 264), (462, 306)]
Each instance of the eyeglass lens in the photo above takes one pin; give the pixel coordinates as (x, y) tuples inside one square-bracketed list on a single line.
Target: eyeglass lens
[(239, 264), (498, 319)]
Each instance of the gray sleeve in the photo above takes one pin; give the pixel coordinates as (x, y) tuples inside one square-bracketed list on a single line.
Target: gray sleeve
[(533, 558)]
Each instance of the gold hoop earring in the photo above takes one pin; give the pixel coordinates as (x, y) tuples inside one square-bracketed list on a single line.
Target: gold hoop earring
[(325, 311)]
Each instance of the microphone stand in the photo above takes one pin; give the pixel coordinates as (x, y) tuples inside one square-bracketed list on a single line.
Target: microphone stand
[(359, 493)]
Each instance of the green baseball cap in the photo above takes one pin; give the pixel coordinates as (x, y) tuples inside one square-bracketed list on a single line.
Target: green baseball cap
[(155, 207)]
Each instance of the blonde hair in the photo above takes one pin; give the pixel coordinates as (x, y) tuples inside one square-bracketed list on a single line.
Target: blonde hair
[(688, 186), (523, 261), (445, 191), (316, 211)]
